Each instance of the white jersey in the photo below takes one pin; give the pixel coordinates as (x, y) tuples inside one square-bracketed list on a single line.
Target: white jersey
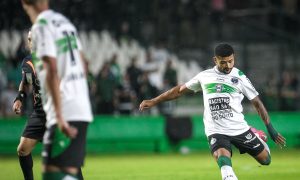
[(222, 96), (55, 36)]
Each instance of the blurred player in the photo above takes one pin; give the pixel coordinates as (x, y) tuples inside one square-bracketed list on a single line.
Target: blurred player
[(224, 87), (35, 127), (58, 58)]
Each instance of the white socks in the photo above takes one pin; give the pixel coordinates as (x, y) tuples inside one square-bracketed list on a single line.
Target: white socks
[(227, 173), (68, 177)]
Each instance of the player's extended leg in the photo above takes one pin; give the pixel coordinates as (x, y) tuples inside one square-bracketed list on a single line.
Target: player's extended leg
[(24, 152), (223, 158), (56, 173), (264, 158)]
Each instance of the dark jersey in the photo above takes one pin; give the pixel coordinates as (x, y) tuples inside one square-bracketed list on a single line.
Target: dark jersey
[(30, 78)]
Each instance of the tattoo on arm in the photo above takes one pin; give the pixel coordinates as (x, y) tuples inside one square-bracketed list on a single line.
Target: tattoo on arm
[(261, 110)]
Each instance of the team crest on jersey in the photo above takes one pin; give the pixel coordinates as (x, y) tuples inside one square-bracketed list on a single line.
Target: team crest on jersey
[(219, 88), (234, 80), (213, 141), (248, 136)]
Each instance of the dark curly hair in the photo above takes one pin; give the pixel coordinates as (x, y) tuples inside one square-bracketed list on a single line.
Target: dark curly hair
[(223, 50)]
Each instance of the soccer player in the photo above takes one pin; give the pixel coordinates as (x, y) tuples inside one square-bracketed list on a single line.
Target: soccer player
[(58, 58), (35, 127), (224, 87)]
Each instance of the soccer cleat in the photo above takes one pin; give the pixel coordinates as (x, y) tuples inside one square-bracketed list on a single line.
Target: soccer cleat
[(259, 133)]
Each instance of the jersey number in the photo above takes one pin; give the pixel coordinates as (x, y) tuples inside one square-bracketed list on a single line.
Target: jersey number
[(69, 41)]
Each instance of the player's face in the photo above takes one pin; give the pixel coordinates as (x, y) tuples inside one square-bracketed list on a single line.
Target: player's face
[(224, 64)]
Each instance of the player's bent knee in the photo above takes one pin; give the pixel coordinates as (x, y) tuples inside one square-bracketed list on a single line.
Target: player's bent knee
[(221, 152), (266, 161), (22, 151), (215, 155)]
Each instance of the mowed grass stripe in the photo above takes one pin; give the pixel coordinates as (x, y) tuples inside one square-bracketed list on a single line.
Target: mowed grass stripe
[(285, 165)]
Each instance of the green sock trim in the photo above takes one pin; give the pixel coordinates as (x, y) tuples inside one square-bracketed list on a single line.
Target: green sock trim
[(53, 175), (56, 175), (224, 161)]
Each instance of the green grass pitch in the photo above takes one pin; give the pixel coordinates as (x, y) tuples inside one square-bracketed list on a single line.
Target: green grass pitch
[(197, 165)]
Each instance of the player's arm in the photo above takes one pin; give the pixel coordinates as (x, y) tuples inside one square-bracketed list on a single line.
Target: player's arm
[(52, 81), (171, 94), (261, 110), (18, 102)]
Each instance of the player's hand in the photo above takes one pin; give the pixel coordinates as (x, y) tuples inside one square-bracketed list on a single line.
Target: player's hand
[(276, 137), (17, 106), (280, 141), (68, 130), (146, 104)]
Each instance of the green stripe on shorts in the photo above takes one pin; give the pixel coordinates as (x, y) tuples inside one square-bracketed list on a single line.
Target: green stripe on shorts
[(60, 143)]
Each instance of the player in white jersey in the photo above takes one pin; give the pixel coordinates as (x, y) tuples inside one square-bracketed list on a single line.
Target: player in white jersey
[(58, 58), (224, 88)]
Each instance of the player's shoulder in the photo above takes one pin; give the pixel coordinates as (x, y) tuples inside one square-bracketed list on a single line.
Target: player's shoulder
[(203, 73), (44, 18), (27, 65), (238, 73), (208, 71), (26, 60), (50, 18)]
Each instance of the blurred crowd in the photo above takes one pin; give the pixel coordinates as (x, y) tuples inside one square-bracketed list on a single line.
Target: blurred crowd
[(180, 22), (115, 93), (112, 90), (282, 94), (168, 26)]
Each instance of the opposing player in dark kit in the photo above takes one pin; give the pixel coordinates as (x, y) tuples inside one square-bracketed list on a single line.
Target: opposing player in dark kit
[(35, 127)]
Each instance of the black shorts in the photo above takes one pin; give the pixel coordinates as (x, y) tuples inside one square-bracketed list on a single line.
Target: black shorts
[(246, 142), (62, 151), (35, 127)]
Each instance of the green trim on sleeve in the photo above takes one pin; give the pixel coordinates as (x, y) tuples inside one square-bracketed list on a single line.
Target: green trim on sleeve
[(42, 22), (241, 73)]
